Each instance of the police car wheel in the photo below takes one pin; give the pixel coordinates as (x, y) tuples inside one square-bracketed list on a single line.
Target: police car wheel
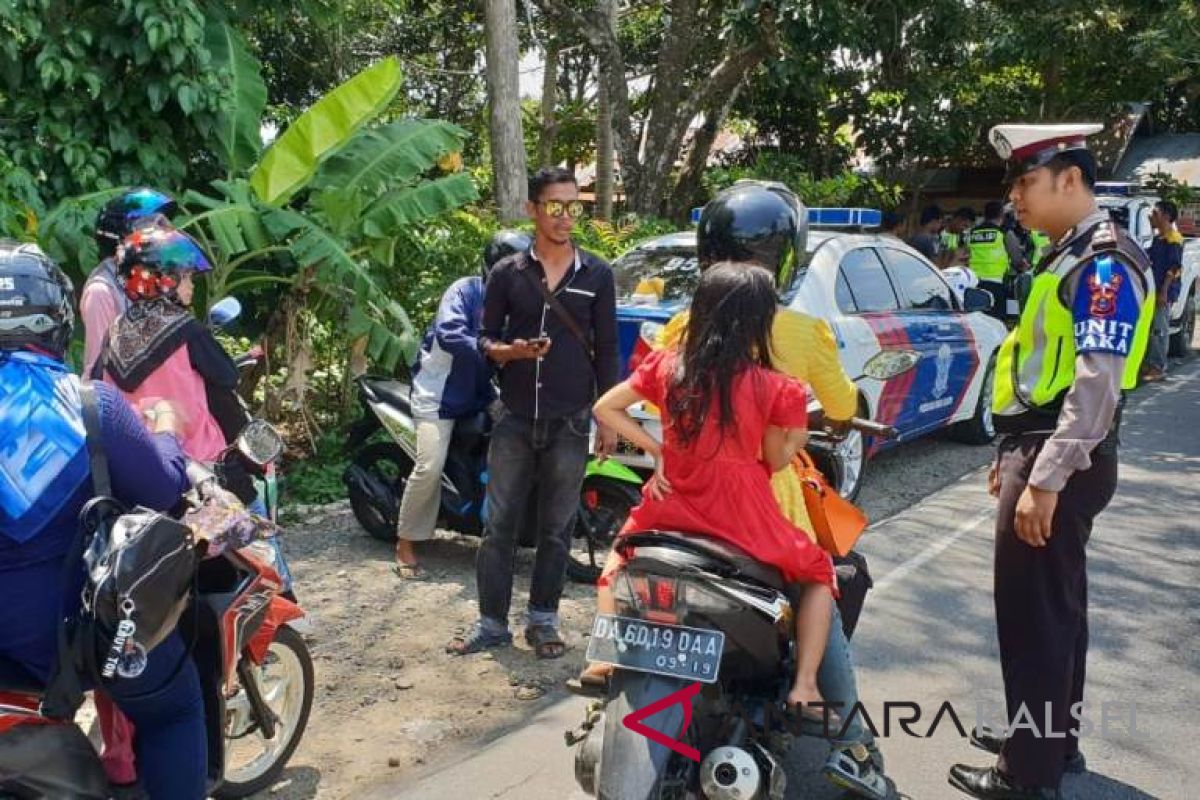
[(1181, 341), (981, 427)]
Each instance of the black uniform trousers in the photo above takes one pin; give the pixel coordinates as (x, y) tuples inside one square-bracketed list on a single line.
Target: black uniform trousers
[(1041, 610)]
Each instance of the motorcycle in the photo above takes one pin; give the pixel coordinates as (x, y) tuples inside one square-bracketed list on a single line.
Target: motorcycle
[(376, 477), (256, 676), (702, 642)]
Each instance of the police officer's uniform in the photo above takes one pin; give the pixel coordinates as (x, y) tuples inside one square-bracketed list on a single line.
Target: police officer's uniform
[(1059, 380), (988, 248)]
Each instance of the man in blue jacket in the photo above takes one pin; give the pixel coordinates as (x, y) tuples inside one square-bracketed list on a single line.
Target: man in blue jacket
[(451, 380)]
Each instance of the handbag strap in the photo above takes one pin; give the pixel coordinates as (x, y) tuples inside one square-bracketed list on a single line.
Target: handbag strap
[(559, 310), (101, 483)]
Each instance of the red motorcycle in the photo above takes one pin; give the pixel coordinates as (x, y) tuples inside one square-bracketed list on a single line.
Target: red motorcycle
[(255, 672)]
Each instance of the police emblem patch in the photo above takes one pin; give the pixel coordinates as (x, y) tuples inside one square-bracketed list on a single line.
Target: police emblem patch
[(1103, 302)]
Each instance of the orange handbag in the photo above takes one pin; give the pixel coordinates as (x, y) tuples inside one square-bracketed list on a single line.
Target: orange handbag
[(836, 522)]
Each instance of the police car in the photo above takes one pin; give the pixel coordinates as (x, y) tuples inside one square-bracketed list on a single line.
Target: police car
[(922, 355), (1130, 207)]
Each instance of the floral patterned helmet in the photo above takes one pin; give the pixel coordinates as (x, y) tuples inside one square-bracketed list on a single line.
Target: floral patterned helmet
[(154, 258)]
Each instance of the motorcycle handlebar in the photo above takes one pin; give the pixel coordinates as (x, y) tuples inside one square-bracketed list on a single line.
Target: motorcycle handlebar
[(817, 423)]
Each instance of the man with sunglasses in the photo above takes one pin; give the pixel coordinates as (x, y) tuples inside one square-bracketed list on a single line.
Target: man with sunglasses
[(550, 324)]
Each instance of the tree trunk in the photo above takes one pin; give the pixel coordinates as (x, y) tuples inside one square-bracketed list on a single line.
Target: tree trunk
[(507, 136), (688, 192), (604, 156), (549, 95), (607, 13)]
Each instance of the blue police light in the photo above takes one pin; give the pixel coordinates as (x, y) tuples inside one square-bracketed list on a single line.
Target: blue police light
[(845, 217), (1115, 188), (696, 212)]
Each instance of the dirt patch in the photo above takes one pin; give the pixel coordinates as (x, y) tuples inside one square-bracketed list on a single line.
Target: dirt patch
[(388, 698)]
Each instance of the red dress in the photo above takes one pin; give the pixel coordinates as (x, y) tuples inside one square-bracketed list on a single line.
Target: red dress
[(720, 486)]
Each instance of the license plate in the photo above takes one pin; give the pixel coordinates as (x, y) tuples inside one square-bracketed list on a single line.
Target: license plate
[(675, 651)]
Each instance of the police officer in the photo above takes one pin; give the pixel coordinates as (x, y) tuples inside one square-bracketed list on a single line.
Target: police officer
[(1059, 382), (954, 238), (994, 253)]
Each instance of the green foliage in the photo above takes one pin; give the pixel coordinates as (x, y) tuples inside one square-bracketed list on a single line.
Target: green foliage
[(238, 124), (611, 239), (1168, 187), (20, 205), (843, 189), (292, 160), (318, 479), (96, 94)]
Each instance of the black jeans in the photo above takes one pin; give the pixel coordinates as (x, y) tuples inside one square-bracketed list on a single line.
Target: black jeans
[(547, 456)]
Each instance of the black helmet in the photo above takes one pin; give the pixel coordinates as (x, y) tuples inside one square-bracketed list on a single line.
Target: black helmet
[(35, 300), (758, 221), (116, 220), (502, 245)]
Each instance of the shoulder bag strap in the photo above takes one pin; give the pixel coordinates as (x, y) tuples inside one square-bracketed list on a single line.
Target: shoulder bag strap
[(560, 310), (101, 484)]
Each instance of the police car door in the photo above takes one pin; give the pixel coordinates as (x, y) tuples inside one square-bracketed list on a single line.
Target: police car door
[(939, 333), (865, 292)]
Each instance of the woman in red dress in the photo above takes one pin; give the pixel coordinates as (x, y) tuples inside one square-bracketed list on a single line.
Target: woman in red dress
[(729, 422)]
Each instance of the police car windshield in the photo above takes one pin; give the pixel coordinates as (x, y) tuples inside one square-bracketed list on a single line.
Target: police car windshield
[(678, 268)]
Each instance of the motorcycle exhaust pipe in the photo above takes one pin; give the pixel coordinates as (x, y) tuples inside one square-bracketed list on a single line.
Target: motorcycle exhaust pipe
[(730, 773)]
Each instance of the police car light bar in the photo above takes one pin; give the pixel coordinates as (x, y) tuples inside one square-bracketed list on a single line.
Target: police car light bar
[(845, 217), (1116, 188)]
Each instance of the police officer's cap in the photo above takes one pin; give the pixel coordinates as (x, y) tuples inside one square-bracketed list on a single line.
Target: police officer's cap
[(1028, 147)]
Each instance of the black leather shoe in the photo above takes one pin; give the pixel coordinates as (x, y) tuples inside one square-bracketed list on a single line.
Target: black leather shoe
[(991, 742), (989, 783)]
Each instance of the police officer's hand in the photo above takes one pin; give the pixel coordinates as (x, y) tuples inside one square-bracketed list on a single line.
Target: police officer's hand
[(1035, 514), (994, 480)]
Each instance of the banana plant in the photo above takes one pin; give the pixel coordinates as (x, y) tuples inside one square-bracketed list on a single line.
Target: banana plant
[(331, 195)]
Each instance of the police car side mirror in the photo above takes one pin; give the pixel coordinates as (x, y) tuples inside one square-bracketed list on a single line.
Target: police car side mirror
[(977, 299)]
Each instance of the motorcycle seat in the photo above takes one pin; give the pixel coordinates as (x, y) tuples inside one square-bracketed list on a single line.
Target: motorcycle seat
[(16, 678), (394, 393), (716, 549)]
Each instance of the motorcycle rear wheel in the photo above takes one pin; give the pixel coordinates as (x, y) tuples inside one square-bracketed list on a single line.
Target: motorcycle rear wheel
[(286, 682)]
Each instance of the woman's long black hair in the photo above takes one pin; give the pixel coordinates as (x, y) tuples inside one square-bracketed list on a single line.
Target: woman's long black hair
[(728, 331)]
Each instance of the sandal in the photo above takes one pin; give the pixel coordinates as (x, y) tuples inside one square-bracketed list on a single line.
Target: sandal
[(545, 641), (813, 722), (477, 641), (409, 572)]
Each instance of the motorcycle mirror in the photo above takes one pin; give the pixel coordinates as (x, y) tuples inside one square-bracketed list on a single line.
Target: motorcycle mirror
[(224, 312), (887, 364), (260, 442)]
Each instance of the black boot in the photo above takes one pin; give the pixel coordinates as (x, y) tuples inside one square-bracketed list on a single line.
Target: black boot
[(989, 783)]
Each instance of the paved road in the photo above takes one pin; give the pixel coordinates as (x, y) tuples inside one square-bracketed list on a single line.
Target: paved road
[(928, 637)]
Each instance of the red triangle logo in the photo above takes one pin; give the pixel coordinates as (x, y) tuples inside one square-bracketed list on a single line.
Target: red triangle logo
[(683, 697)]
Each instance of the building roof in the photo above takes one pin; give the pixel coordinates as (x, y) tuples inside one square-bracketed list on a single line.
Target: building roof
[(1177, 154)]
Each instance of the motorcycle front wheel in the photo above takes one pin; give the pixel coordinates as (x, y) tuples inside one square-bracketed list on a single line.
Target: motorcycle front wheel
[(285, 680), (375, 482), (604, 506)]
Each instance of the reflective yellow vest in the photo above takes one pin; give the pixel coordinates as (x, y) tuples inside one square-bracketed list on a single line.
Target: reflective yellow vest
[(989, 256), (1036, 363), (1041, 246)]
